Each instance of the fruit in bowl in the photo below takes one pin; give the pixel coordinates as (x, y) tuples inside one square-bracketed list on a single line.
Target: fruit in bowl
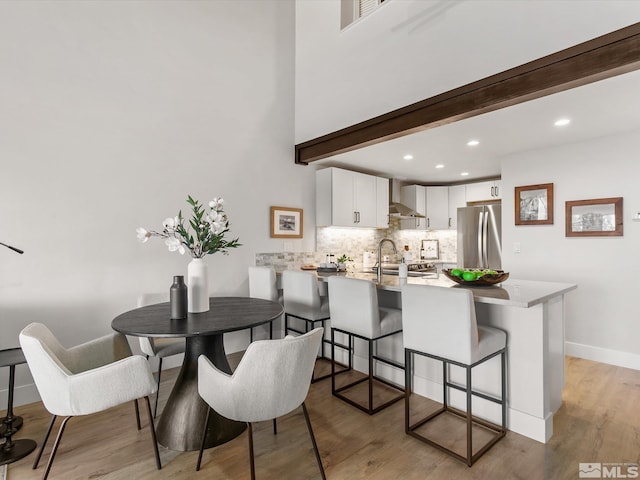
[(476, 276)]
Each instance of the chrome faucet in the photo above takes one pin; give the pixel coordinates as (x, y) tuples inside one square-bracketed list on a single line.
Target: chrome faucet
[(395, 250)]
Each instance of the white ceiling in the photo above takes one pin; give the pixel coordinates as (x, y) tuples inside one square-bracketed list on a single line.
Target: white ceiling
[(599, 109)]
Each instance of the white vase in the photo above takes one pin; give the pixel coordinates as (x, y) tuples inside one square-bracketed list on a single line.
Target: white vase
[(198, 286)]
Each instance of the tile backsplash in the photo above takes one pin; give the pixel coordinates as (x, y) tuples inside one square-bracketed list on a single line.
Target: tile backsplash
[(353, 242)]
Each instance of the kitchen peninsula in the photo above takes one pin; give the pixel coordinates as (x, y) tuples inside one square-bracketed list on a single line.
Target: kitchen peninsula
[(532, 314)]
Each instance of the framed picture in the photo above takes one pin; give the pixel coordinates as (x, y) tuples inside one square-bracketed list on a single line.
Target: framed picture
[(430, 250), (286, 222), (534, 204), (600, 217)]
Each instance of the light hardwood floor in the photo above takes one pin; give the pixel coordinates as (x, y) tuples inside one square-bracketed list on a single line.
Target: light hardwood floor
[(598, 422)]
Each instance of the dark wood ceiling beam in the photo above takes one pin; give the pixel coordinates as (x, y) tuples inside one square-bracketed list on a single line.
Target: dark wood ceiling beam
[(603, 57)]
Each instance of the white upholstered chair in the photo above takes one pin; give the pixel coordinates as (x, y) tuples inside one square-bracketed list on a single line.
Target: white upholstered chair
[(158, 347), (85, 379), (271, 380), (302, 301), (263, 284), (356, 313), (440, 323)]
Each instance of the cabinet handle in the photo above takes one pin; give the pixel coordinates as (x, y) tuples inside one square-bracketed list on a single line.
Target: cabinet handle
[(355, 217), (358, 217), (492, 190), (428, 222), (449, 224), (497, 190)]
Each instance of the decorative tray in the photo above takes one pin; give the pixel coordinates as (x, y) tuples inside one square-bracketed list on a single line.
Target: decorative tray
[(308, 267), (486, 280)]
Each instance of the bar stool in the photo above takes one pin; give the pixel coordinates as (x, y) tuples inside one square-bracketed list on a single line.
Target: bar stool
[(356, 313), (263, 284), (440, 323), (13, 450), (302, 301)]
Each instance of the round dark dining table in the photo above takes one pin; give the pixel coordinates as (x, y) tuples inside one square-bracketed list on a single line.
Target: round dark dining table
[(180, 426)]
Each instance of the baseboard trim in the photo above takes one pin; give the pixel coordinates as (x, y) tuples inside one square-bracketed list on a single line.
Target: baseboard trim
[(603, 355)]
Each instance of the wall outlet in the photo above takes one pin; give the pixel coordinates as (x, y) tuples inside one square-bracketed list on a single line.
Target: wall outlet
[(516, 247)]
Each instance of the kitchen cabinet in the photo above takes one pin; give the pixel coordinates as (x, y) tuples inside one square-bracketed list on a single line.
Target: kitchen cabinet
[(457, 199), (351, 199), (432, 202), (437, 203), (477, 192), (414, 197)]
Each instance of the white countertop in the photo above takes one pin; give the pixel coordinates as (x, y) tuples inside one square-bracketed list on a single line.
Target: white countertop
[(513, 292)]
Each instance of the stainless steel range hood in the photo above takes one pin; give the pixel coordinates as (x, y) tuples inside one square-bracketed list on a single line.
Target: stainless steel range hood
[(396, 208)]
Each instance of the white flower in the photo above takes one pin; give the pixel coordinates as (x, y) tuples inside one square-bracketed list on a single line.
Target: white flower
[(174, 244), (143, 235), (217, 204), (169, 224)]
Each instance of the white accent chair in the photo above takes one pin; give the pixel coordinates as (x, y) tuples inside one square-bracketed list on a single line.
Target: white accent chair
[(158, 347), (85, 379), (263, 284), (440, 323), (302, 301), (271, 380), (355, 312)]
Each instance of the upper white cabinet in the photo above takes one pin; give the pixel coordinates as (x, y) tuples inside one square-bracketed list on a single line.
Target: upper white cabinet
[(457, 199), (432, 202), (351, 199), (414, 197), (437, 200), (477, 192)]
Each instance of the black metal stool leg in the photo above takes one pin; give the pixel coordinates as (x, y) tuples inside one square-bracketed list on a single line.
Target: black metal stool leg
[(155, 410), (135, 402)]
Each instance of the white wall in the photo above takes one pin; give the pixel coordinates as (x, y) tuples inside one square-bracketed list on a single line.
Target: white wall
[(602, 314), (409, 50), (112, 113)]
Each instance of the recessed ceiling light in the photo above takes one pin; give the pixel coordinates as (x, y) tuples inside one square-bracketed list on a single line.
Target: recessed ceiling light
[(561, 122), (440, 165), (464, 174), (473, 143), (408, 157)]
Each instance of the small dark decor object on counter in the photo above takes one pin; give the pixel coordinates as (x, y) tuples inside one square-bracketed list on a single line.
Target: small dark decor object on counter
[(476, 277), (178, 298)]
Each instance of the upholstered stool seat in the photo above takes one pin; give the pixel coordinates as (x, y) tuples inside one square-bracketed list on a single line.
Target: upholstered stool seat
[(355, 313), (440, 323), (302, 301)]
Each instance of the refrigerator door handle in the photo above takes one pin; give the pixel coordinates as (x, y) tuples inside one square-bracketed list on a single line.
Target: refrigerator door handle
[(485, 237), (480, 242)]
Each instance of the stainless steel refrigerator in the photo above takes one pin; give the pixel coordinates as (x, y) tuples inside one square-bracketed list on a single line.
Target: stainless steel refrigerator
[(480, 237)]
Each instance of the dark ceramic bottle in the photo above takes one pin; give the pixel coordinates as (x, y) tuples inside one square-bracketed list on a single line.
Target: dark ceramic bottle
[(178, 298)]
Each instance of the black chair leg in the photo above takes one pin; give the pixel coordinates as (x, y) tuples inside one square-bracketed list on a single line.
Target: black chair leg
[(135, 402), (155, 410), (44, 441), (55, 447), (251, 459), (313, 440), (153, 433), (275, 427), (204, 438)]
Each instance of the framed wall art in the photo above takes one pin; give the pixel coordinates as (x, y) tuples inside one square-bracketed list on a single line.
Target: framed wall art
[(599, 217), (534, 204), (286, 222)]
